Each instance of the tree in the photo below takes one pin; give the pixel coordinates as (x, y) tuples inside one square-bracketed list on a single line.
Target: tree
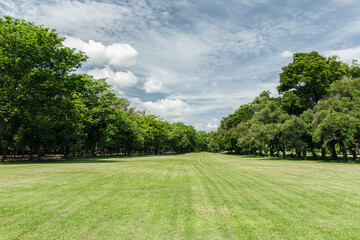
[(298, 134), (337, 117), (227, 132), (306, 80), (203, 140), (36, 71), (267, 118)]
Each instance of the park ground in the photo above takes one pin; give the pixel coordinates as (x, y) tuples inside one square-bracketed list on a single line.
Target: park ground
[(190, 196)]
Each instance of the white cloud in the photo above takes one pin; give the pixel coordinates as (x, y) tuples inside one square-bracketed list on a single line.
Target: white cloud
[(210, 126), (207, 61), (121, 54), (153, 85), (287, 54), (173, 110), (116, 54), (117, 79), (84, 19), (7, 7), (346, 55), (345, 2)]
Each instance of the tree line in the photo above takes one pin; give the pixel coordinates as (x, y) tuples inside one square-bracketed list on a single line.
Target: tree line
[(48, 108), (317, 113)]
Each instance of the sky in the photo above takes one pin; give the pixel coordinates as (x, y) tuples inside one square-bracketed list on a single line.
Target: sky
[(195, 61)]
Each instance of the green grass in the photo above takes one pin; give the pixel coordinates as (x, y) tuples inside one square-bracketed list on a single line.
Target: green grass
[(192, 196)]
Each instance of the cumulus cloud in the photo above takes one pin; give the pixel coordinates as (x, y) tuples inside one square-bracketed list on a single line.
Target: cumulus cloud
[(173, 110), (287, 54), (346, 55), (210, 126), (152, 85), (206, 61), (84, 19), (116, 54), (117, 79)]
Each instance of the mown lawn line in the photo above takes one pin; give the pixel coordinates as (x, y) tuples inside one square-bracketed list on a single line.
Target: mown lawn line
[(288, 198)]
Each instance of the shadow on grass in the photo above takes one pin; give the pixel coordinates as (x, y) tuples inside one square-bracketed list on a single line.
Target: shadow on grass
[(309, 159), (99, 159), (65, 160)]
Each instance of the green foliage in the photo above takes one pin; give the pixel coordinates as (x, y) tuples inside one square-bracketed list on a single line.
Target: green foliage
[(322, 96), (308, 77), (46, 108), (37, 84)]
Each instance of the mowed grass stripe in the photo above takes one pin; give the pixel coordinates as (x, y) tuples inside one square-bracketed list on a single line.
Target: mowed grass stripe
[(191, 196), (256, 198), (310, 205)]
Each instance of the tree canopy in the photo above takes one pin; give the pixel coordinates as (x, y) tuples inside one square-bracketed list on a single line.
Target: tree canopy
[(319, 110), (306, 80), (46, 107)]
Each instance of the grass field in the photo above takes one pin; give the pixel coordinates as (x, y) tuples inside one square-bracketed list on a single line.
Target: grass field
[(192, 196)]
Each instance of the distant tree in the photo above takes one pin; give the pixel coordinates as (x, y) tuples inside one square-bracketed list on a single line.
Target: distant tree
[(354, 71), (226, 131), (214, 142), (267, 118), (298, 134), (203, 140)]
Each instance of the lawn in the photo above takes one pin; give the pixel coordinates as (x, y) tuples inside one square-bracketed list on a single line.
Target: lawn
[(191, 196)]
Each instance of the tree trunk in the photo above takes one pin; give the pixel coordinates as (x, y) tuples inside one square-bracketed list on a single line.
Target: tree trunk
[(304, 154), (333, 151), (353, 152), (5, 150), (271, 152), (313, 153), (2, 125), (94, 153), (65, 152), (31, 154), (323, 153), (253, 151), (343, 150), (39, 154), (260, 153), (284, 153)]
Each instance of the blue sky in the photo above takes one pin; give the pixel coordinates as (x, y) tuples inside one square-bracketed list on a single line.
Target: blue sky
[(195, 61)]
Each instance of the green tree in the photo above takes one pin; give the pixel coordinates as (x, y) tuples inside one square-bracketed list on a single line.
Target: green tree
[(306, 80), (36, 71), (337, 118), (203, 140), (297, 134), (226, 131), (267, 119)]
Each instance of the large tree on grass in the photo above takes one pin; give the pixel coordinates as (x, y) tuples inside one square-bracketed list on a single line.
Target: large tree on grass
[(36, 71), (306, 80)]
